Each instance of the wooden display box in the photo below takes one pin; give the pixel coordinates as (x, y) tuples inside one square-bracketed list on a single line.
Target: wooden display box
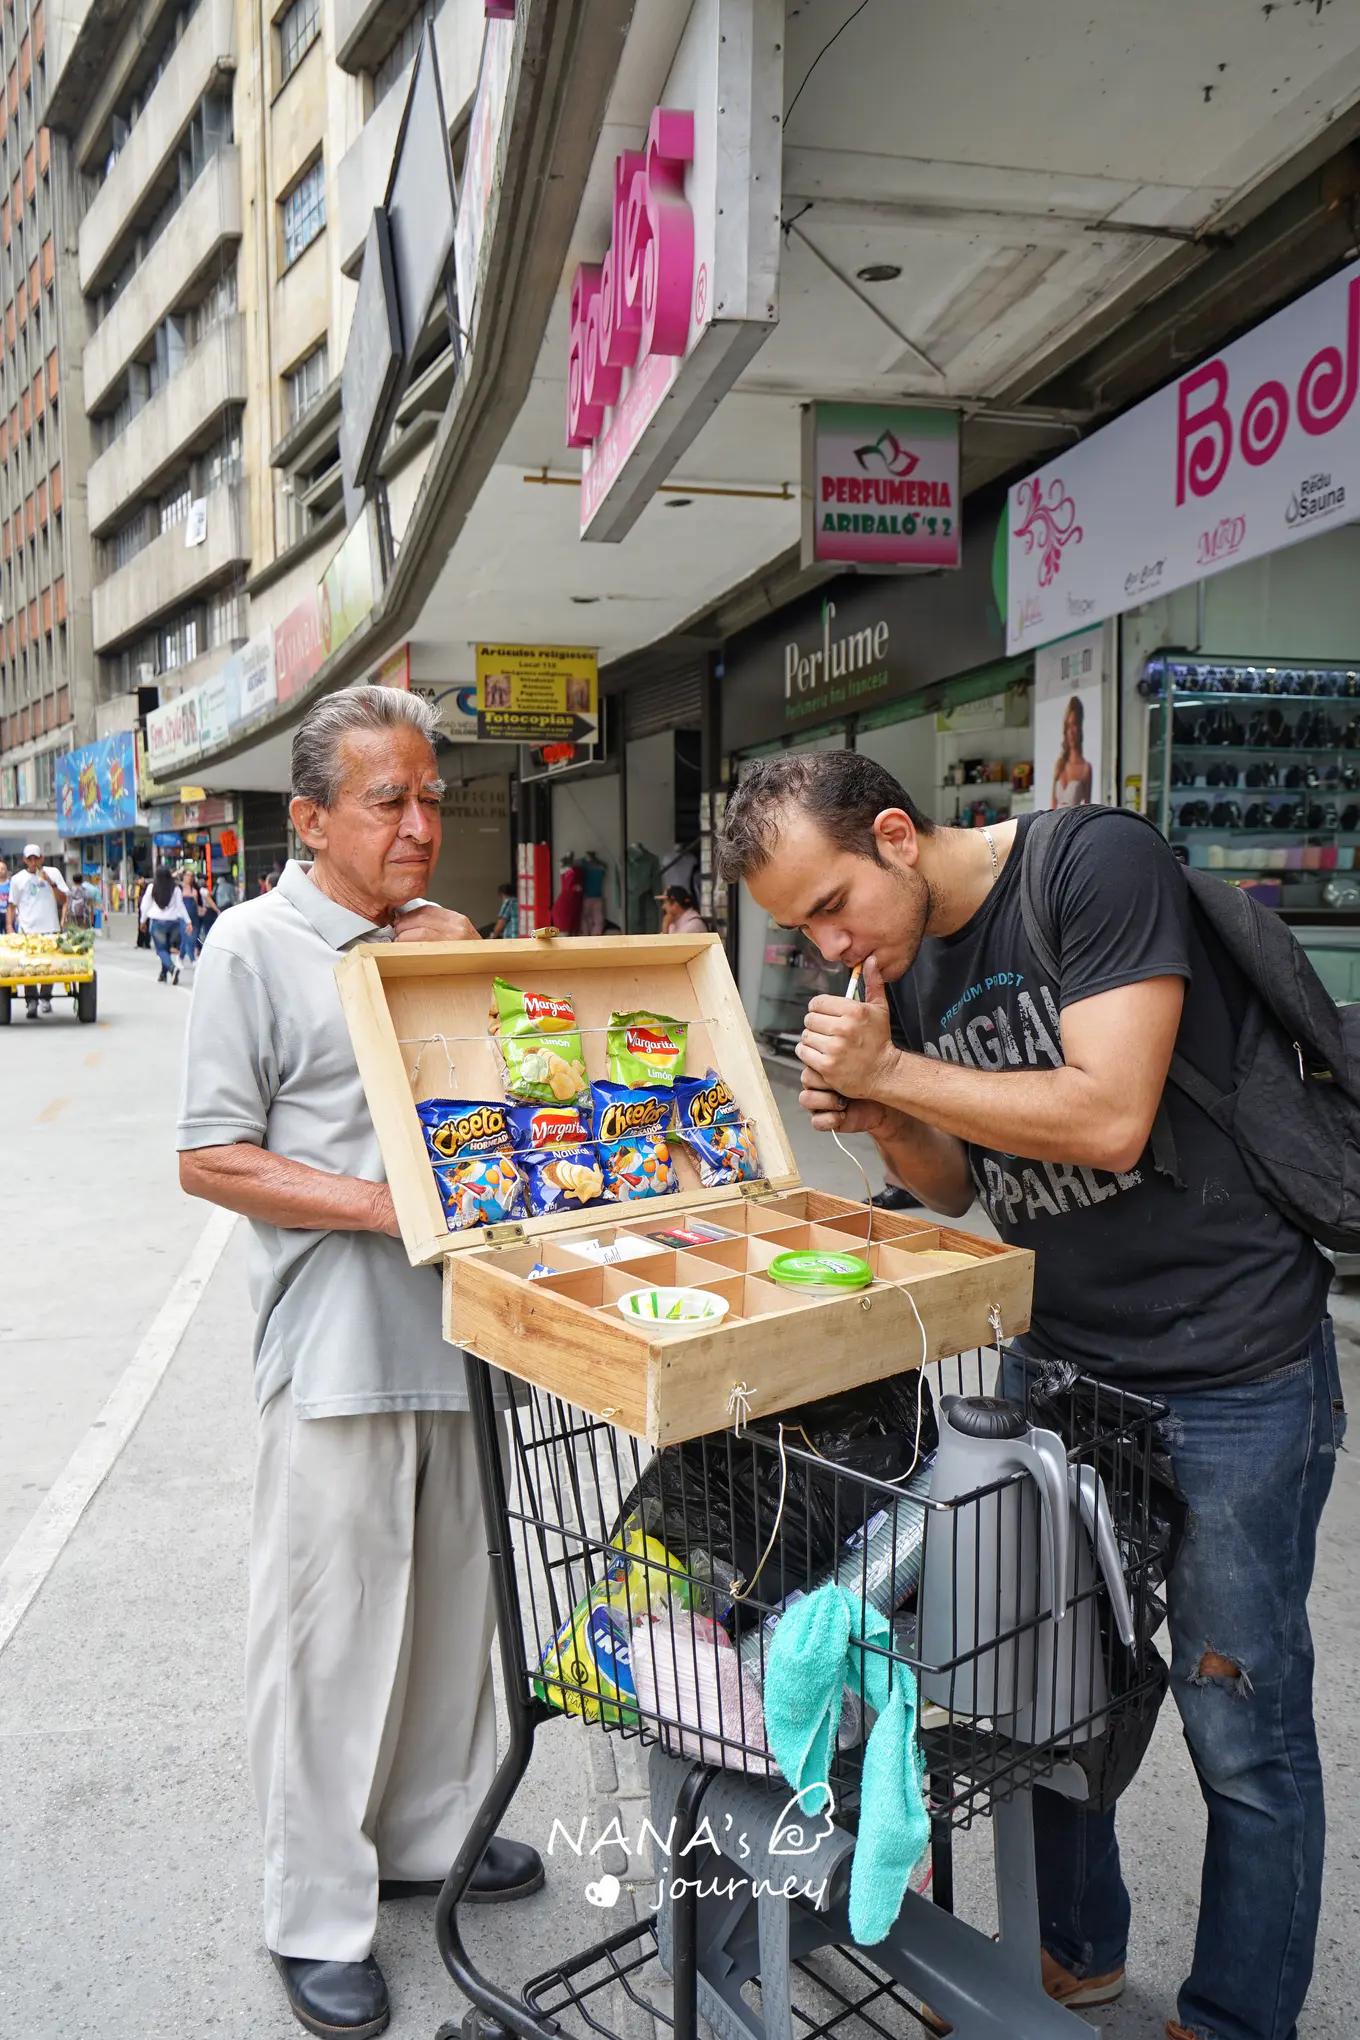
[(418, 1017)]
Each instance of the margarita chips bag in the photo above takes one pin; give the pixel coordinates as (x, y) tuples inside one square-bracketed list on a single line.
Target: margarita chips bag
[(540, 1045), (560, 1162), (645, 1048)]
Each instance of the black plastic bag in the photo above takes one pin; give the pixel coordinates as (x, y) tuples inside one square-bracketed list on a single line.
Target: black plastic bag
[(714, 1501), (1149, 1513)]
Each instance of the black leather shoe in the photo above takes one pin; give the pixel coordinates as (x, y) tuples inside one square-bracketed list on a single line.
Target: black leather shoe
[(329, 1998), (892, 1197), (507, 1870)]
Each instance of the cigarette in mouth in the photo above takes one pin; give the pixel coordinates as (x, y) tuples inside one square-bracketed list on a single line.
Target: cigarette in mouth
[(852, 989)]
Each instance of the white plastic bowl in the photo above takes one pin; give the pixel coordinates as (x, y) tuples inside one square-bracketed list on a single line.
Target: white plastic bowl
[(672, 1310)]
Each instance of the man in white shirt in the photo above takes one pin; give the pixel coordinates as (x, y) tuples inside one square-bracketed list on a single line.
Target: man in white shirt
[(37, 906), (369, 1703)]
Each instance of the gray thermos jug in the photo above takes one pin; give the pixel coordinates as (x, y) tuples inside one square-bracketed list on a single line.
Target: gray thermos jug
[(987, 1571), (1070, 1685)]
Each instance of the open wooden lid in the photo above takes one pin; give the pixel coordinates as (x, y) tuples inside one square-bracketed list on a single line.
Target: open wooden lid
[(418, 1012)]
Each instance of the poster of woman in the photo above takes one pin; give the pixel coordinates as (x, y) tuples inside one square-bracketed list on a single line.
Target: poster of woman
[(1068, 680)]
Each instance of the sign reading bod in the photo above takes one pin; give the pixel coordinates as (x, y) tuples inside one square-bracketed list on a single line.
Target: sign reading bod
[(636, 303), (1253, 450), (1204, 424)]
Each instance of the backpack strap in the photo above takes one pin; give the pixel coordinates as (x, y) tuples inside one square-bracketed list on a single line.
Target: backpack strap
[(1045, 940)]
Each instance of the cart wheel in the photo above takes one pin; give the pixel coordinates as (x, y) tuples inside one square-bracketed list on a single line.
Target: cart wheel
[(87, 1000), (6, 1003), (474, 2025)]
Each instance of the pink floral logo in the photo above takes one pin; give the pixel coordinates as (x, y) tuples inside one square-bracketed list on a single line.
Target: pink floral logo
[(1048, 519)]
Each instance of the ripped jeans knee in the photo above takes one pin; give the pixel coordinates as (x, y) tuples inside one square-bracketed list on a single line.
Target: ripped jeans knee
[(1214, 1669)]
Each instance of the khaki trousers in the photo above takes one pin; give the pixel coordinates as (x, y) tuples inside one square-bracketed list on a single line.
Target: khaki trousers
[(369, 1705)]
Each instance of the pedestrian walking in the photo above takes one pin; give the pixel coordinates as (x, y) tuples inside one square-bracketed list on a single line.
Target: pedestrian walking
[(163, 912), (224, 889), (4, 894), (191, 936), (208, 916), (507, 915), (369, 1701), (1183, 1281), (37, 906), (81, 903)]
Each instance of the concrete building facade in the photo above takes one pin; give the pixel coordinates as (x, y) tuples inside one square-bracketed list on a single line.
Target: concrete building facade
[(47, 691)]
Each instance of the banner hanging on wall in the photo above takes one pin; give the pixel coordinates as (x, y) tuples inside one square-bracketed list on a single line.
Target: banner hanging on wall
[(1252, 451), (537, 694), (1068, 723), (880, 486), (96, 787)]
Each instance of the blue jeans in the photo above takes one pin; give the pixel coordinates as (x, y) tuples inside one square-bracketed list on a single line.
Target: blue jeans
[(1255, 1464), (160, 942)]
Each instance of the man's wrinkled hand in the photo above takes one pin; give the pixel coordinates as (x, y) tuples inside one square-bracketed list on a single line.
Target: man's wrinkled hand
[(433, 924), (385, 1212), (847, 1047)]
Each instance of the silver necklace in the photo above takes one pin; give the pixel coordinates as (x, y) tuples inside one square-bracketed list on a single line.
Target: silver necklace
[(991, 847)]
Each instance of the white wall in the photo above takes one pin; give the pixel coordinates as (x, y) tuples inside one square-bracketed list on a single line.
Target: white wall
[(907, 750), (650, 768)]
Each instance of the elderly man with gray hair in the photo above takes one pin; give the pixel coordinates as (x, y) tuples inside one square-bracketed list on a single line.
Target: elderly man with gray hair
[(370, 1712)]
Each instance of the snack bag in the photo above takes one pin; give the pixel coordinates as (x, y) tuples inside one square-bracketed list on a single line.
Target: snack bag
[(645, 1048), (540, 1046), (469, 1144), (715, 1131), (593, 1648), (560, 1161), (630, 1127)]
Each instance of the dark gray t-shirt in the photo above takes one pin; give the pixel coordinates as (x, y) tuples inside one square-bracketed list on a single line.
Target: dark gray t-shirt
[(1135, 1280)]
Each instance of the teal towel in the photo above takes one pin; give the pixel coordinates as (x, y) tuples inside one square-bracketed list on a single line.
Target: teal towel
[(814, 1655)]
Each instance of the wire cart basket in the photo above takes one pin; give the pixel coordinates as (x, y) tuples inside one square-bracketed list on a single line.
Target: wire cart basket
[(641, 1593)]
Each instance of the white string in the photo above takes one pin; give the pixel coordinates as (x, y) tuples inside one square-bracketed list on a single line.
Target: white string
[(994, 1320), (740, 1588), (739, 1406)]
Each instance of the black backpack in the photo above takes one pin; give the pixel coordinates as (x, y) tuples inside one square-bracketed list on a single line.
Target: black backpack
[(1294, 1109)]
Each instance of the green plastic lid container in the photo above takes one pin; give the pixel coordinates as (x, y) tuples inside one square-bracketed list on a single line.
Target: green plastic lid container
[(821, 1271)]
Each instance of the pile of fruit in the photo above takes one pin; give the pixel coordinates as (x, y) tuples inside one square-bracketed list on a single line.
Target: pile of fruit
[(71, 942)]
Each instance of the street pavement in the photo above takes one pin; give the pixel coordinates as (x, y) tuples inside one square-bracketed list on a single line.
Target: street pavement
[(129, 1865)]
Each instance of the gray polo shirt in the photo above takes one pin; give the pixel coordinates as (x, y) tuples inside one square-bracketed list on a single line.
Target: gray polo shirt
[(268, 1060)]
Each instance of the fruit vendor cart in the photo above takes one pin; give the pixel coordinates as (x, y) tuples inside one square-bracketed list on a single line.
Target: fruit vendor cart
[(669, 1500), (58, 966)]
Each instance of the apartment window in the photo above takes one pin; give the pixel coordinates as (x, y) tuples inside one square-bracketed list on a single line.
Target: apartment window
[(222, 463), (179, 641), (219, 304), (304, 212), (389, 71), (306, 382), (175, 507), (129, 540), (298, 30), (226, 617)]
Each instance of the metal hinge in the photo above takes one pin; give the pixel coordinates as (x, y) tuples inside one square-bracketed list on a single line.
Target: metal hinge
[(508, 1235), (758, 1191)]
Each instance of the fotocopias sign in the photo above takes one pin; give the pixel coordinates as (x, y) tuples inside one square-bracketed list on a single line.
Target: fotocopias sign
[(687, 289), (1255, 449)]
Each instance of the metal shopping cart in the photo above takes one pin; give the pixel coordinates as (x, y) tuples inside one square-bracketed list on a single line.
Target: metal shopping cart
[(1032, 1664)]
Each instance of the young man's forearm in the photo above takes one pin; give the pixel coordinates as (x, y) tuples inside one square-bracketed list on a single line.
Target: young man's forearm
[(931, 1163), (1061, 1115), (284, 1193)]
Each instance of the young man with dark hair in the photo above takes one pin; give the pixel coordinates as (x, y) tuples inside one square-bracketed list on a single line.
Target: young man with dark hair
[(977, 1076)]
